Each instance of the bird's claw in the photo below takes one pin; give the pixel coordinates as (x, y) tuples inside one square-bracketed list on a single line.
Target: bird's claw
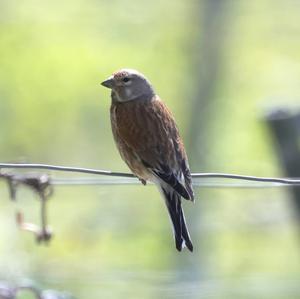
[(144, 182)]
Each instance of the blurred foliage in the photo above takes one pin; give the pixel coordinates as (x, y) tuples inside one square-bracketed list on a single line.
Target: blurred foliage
[(113, 241)]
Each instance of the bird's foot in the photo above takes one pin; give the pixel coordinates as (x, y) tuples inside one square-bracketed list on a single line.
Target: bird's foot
[(144, 182)]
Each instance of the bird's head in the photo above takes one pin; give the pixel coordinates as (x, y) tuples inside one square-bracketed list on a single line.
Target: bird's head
[(128, 85)]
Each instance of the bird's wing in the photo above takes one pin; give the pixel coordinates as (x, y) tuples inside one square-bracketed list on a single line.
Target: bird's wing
[(149, 129)]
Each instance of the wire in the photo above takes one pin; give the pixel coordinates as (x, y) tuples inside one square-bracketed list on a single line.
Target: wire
[(131, 179), (66, 169), (285, 181)]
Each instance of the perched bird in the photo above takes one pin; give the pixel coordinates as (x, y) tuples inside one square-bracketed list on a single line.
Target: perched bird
[(147, 137)]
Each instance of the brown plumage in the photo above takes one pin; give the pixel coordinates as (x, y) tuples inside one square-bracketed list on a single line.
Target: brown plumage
[(149, 142)]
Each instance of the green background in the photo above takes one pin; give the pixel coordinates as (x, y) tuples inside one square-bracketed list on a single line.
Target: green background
[(237, 59)]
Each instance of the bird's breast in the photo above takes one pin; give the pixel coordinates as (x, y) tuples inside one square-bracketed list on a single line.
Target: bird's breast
[(128, 137), (130, 122)]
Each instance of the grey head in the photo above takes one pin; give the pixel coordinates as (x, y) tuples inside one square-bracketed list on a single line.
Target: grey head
[(129, 85)]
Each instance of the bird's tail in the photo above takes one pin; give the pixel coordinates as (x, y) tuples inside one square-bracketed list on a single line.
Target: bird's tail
[(173, 203)]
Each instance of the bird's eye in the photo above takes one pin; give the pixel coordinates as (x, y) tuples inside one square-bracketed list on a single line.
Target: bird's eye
[(126, 79)]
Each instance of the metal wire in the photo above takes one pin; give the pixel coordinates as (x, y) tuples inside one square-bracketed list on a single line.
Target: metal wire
[(128, 178)]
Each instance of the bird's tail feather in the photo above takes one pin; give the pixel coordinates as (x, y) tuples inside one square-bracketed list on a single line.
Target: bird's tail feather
[(173, 203)]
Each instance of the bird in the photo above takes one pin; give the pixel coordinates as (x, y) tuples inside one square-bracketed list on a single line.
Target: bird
[(148, 140)]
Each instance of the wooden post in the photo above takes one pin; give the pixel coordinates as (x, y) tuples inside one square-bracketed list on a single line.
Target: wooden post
[(285, 127)]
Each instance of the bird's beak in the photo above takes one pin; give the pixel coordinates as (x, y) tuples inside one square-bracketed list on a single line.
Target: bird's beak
[(109, 82)]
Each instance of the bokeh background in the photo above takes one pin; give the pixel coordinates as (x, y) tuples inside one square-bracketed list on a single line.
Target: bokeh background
[(219, 65)]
